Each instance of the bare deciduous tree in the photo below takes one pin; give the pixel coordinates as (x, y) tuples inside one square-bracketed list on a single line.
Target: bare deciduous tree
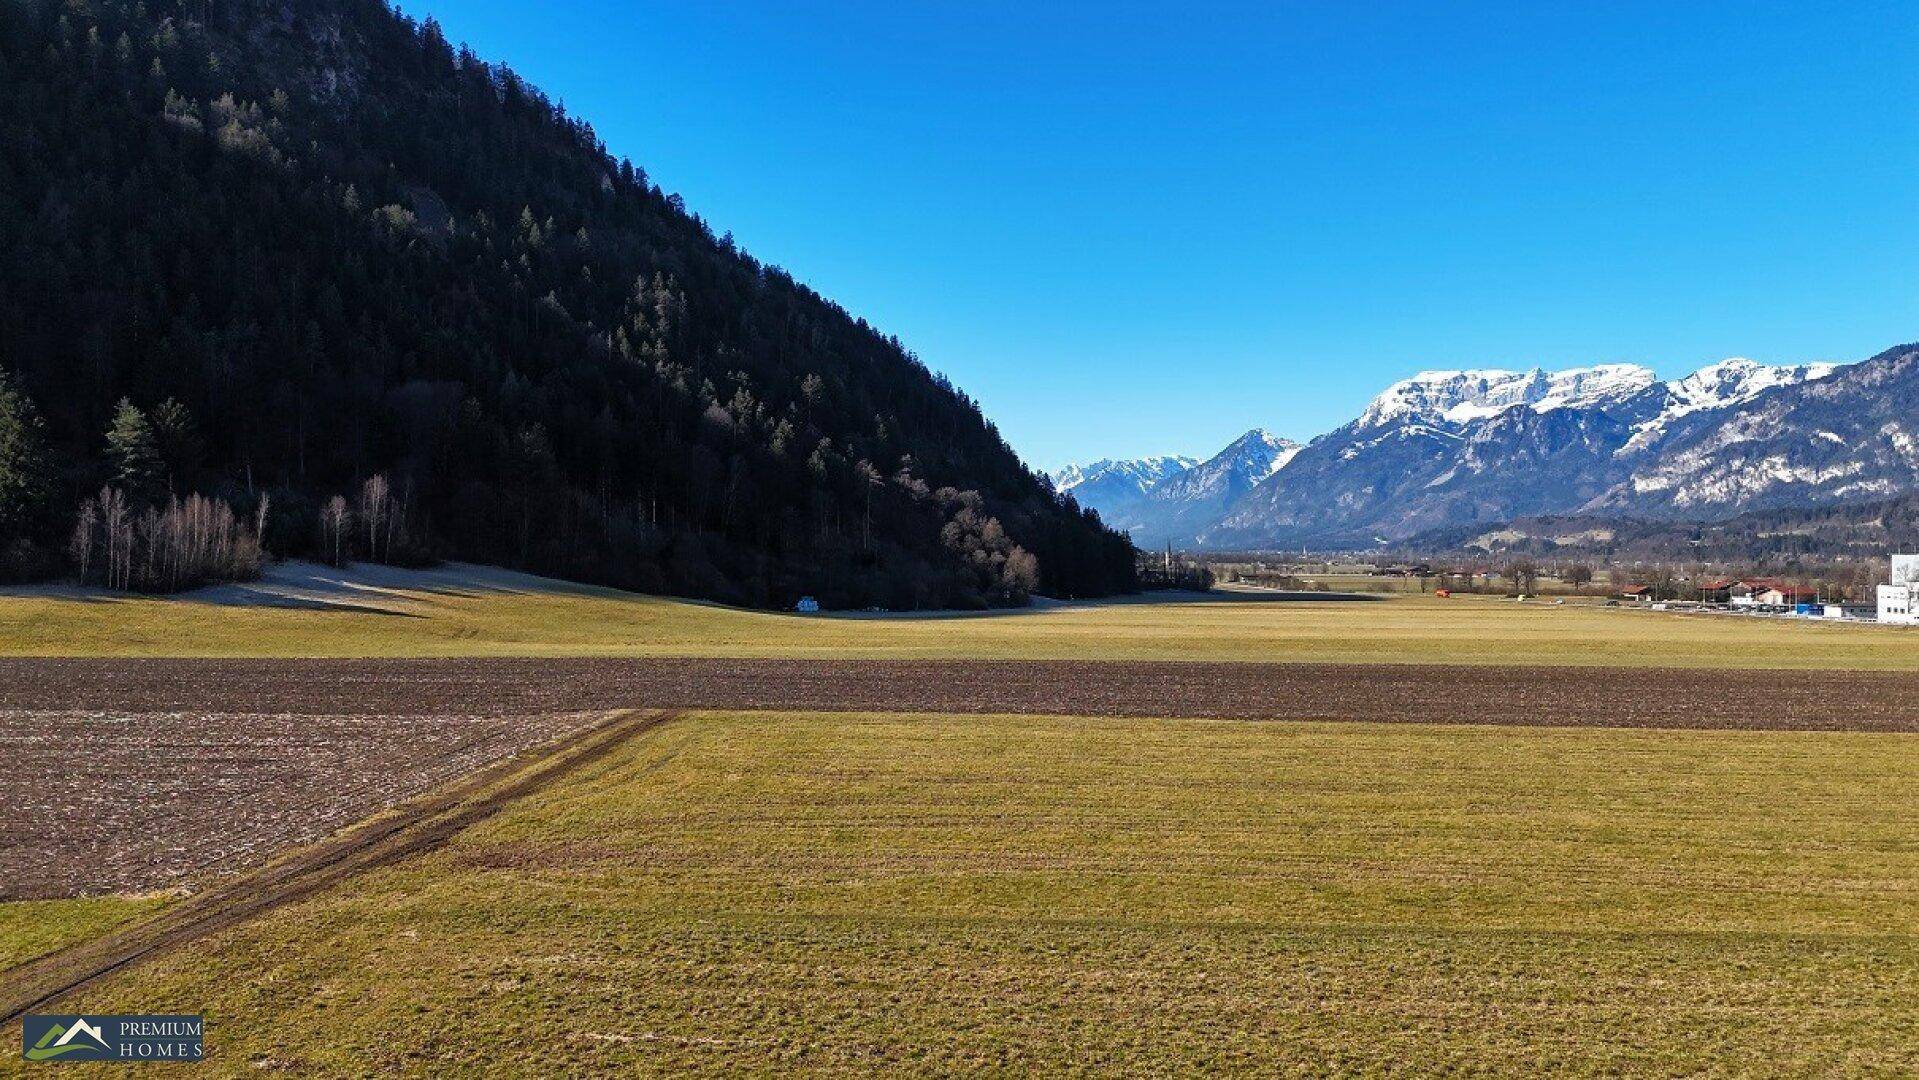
[(80, 547), (185, 544), (334, 519), (376, 505)]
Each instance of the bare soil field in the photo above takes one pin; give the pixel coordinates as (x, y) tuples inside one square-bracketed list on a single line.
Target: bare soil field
[(505, 688), (134, 798), (421, 825)]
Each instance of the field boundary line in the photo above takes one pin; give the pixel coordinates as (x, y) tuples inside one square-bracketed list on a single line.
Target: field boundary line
[(422, 825)]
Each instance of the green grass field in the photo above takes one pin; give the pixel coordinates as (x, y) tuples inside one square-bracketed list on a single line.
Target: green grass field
[(762, 892), (538, 617), (30, 928)]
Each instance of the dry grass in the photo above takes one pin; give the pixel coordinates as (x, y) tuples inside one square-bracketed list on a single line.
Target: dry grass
[(30, 928), (758, 892), (475, 612)]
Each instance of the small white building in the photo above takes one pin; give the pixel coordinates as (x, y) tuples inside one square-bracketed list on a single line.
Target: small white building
[(1896, 598), (1895, 604)]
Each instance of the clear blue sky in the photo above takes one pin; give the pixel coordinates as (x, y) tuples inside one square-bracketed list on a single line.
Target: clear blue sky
[(1144, 228)]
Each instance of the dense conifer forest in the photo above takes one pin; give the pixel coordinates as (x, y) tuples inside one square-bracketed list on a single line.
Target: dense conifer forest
[(303, 272)]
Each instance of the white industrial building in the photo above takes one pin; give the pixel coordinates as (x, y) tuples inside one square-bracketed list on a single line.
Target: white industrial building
[(1896, 598)]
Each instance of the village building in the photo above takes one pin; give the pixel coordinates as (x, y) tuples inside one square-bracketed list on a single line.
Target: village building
[(1769, 592), (1895, 604), (1787, 596), (1896, 597), (1717, 590)]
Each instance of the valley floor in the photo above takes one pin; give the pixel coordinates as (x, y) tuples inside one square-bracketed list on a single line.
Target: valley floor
[(758, 892), (458, 610), (615, 834)]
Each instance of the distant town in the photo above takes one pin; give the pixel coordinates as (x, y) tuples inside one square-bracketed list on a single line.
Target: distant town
[(1857, 591)]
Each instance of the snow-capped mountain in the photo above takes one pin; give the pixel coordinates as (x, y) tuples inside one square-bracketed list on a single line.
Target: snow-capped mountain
[(1452, 448), (1246, 461), (1166, 498), (1188, 501), (1115, 487), (1716, 386), (1121, 476), (1374, 478), (1449, 448), (1459, 397), (1833, 434)]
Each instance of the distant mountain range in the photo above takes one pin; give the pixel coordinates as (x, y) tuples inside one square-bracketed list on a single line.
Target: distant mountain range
[(1169, 498), (1445, 450), (1117, 488)]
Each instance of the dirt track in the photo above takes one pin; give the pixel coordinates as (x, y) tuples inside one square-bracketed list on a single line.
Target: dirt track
[(417, 827), (1548, 696), (109, 801)]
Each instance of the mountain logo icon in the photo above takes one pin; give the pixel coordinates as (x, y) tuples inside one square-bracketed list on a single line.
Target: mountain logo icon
[(77, 1040)]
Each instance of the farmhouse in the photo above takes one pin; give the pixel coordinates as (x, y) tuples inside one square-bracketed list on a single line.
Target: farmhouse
[(1716, 591), (1788, 595), (1769, 592)]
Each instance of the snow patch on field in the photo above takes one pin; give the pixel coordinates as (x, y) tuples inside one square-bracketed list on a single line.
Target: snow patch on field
[(300, 584)]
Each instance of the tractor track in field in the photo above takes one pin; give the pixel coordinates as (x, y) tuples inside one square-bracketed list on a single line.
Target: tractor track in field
[(414, 828)]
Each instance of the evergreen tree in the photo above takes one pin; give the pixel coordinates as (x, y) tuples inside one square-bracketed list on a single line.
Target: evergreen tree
[(177, 442), (22, 463), (133, 452)]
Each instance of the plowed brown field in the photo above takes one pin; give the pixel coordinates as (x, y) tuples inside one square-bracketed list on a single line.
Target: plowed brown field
[(144, 774), (1538, 696), (124, 801)]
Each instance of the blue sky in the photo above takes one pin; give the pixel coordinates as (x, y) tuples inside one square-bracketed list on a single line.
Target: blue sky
[(1145, 228)]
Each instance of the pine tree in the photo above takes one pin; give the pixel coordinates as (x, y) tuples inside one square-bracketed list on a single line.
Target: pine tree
[(133, 451), (177, 441), (22, 461)]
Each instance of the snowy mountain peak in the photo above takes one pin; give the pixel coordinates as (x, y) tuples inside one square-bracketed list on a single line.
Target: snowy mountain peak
[(1738, 379), (1259, 452), (1246, 460), (1582, 387), (1138, 474), (1459, 397), (1732, 381)]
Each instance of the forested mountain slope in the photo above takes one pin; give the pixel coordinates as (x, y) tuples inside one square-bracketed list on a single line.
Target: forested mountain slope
[(1868, 530), (322, 244)]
